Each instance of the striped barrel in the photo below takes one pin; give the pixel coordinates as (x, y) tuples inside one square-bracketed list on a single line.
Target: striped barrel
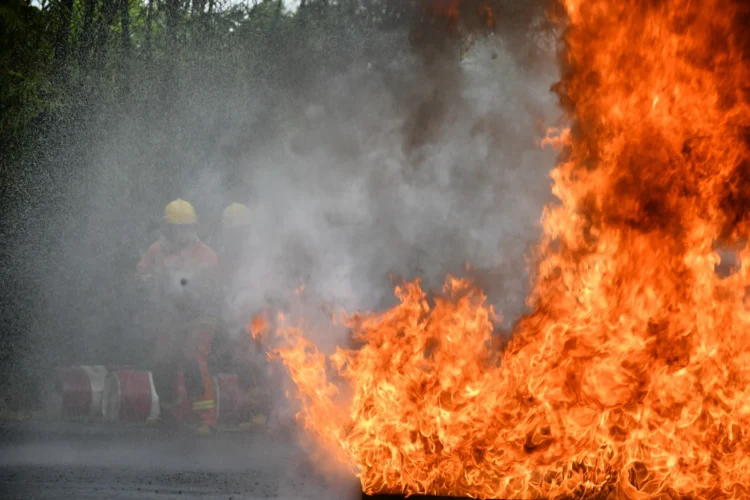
[(80, 391), (130, 396)]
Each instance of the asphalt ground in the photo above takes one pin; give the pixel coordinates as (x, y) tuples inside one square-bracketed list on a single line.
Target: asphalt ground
[(84, 461)]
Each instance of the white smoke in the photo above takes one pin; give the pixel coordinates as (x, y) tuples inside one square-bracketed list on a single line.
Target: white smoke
[(338, 203)]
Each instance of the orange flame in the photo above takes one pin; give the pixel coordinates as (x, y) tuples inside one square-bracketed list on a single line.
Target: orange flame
[(632, 375), (258, 326)]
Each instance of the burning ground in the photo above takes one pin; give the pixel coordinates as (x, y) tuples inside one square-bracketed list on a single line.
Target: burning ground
[(630, 375)]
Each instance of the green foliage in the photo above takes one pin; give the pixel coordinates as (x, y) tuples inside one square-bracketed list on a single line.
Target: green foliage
[(26, 91)]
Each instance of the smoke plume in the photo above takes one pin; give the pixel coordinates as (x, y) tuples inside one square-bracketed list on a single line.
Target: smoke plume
[(408, 157)]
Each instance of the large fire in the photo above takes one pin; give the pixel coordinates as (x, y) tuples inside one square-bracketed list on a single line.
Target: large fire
[(632, 375)]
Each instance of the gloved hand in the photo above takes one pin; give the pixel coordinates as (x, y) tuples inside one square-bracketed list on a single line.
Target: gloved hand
[(191, 293)]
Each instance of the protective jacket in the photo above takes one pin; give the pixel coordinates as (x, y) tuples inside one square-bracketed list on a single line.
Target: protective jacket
[(184, 284)]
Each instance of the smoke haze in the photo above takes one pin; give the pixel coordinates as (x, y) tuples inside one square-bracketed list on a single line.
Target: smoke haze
[(400, 160), (339, 201)]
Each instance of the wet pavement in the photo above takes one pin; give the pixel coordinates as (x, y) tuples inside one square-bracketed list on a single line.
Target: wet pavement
[(104, 461)]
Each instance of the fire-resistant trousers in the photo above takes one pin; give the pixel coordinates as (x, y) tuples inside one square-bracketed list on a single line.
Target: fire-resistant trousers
[(181, 354)]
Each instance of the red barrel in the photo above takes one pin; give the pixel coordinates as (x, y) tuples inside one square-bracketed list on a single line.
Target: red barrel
[(130, 396), (80, 391)]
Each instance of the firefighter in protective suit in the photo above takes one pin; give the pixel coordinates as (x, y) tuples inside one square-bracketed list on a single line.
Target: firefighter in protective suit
[(182, 274), (244, 351)]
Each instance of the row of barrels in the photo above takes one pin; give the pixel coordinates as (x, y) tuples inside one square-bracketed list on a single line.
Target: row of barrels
[(128, 395)]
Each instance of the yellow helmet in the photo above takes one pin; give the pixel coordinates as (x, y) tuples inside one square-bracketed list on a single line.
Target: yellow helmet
[(180, 212), (235, 215)]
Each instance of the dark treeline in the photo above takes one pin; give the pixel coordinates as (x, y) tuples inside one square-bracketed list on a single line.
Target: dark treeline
[(182, 84)]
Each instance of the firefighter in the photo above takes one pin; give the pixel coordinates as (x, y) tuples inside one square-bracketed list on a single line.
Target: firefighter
[(235, 222), (242, 334), (182, 274), (235, 225)]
